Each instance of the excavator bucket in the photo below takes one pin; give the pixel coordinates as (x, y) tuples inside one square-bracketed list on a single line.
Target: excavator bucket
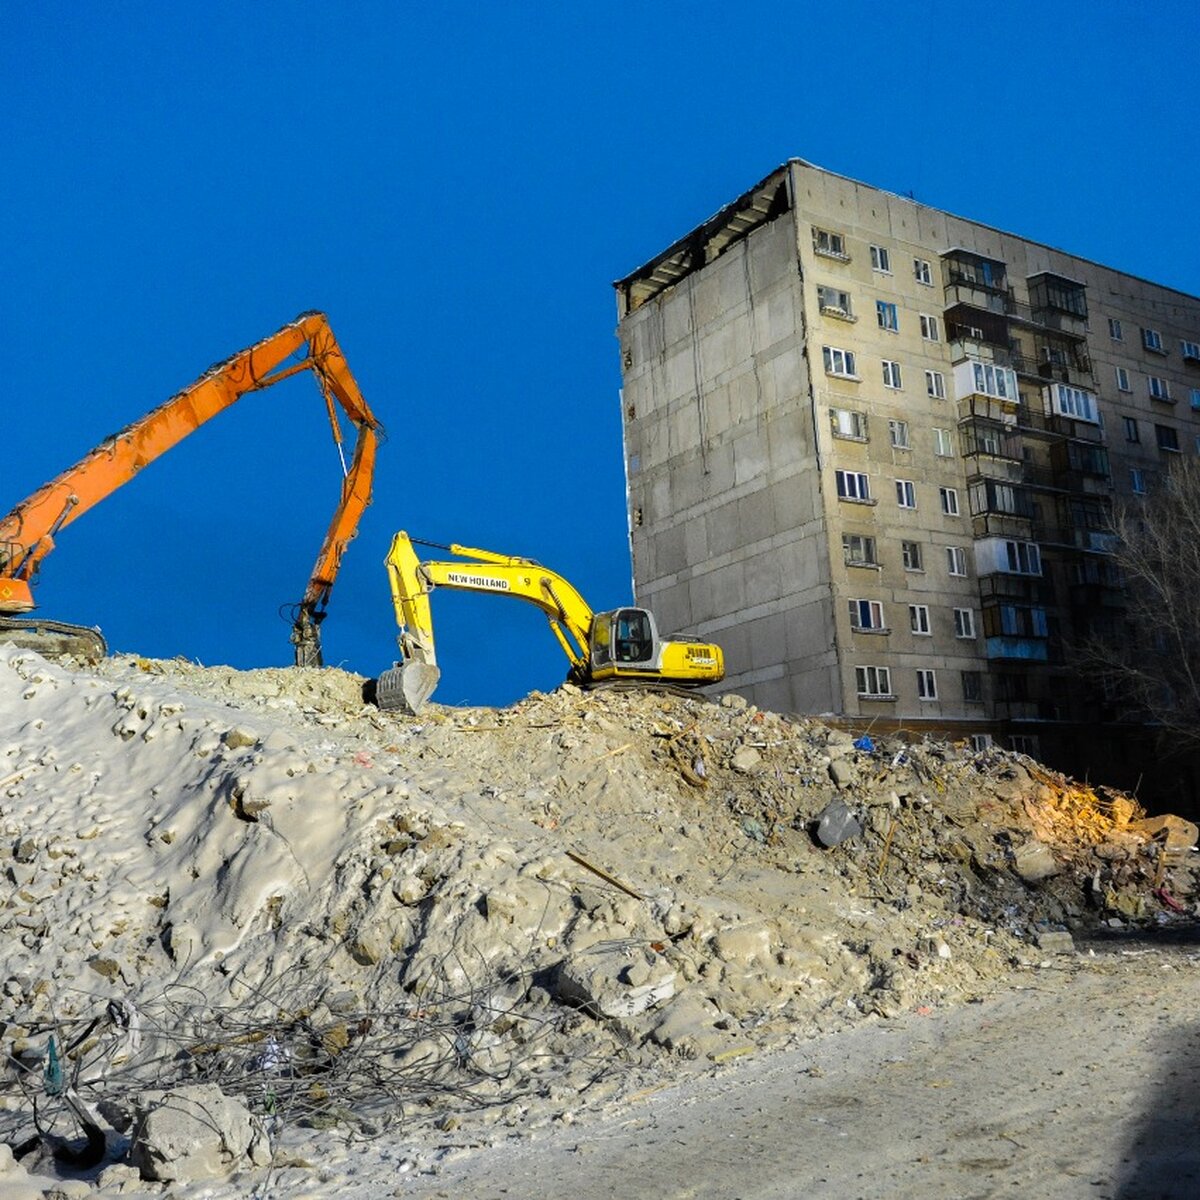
[(406, 688)]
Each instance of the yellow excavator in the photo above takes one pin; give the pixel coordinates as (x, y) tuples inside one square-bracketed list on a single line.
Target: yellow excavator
[(621, 647)]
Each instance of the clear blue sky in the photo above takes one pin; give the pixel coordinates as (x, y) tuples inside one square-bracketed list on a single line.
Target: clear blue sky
[(457, 186)]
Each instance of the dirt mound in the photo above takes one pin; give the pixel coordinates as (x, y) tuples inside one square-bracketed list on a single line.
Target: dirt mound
[(256, 879)]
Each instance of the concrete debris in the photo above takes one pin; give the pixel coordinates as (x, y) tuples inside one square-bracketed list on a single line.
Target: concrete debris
[(210, 843), (194, 1133)]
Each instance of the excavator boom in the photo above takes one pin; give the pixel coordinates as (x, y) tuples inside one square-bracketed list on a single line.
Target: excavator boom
[(622, 645), (27, 533)]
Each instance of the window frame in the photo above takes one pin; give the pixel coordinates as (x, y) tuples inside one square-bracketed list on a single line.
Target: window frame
[(1152, 340), (1167, 438), (881, 260), (956, 562), (930, 330), (964, 624), (1114, 330), (854, 418), (935, 385), (943, 442), (848, 369), (898, 434), (887, 316), (926, 684), (873, 610), (1123, 384), (906, 493), (911, 555), (923, 271), (948, 497), (828, 251), (891, 373), (918, 620), (842, 475), (881, 677), (1159, 389), (1133, 433), (868, 541)]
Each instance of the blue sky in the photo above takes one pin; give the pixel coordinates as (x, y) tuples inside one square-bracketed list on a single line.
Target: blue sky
[(457, 186)]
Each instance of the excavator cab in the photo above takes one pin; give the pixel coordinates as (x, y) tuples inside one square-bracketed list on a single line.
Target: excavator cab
[(626, 638)]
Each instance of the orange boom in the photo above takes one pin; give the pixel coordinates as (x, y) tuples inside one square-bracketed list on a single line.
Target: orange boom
[(27, 533)]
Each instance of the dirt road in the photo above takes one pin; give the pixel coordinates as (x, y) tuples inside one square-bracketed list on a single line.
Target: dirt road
[(1082, 1081)]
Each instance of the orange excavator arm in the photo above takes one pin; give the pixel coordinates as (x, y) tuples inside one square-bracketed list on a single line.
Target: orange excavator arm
[(27, 533)]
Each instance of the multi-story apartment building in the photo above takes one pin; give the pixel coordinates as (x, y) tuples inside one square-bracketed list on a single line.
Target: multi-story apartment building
[(872, 448)]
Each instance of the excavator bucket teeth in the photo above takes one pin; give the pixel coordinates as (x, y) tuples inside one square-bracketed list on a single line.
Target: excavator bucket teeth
[(406, 688)]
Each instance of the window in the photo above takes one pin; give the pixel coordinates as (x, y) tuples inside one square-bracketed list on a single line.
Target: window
[(964, 623), (926, 685), (1190, 350), (881, 260), (898, 434), (923, 272), (1075, 402), (1152, 341), (1025, 743), (906, 493), (943, 443), (1196, 398), (833, 301), (852, 485), (887, 316), (1114, 330), (956, 560), (873, 681), (949, 499), (839, 362), (986, 379), (1023, 558), (891, 373), (832, 245), (972, 688), (1167, 437), (935, 384), (1123, 380), (1137, 481), (1160, 389), (981, 742), (918, 618), (1131, 429), (848, 424), (858, 550), (910, 552), (867, 616)]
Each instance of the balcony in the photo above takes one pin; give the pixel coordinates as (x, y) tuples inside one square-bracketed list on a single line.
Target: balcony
[(1054, 425), (1016, 589), (1027, 649)]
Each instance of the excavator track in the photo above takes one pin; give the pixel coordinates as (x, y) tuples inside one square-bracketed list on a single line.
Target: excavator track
[(53, 639), (650, 685)]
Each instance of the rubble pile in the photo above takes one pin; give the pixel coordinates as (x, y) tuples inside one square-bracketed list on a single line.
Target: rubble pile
[(257, 881)]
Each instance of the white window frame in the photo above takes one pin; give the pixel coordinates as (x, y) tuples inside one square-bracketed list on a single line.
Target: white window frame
[(912, 556), (1152, 341), (964, 623), (887, 316), (854, 486), (848, 424), (923, 271), (870, 557), (881, 260), (956, 561), (918, 620), (829, 249), (906, 493), (866, 616), (935, 385), (891, 373), (926, 683), (1123, 380), (1160, 388), (838, 362), (1189, 349), (1137, 481), (943, 442), (930, 330), (949, 501), (873, 683), (1114, 330), (898, 434), (1024, 558), (835, 301)]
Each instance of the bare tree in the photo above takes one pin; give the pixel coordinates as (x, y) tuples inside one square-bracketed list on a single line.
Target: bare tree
[(1150, 663)]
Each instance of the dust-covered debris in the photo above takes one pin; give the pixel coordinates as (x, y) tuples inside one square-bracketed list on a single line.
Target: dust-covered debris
[(257, 881)]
